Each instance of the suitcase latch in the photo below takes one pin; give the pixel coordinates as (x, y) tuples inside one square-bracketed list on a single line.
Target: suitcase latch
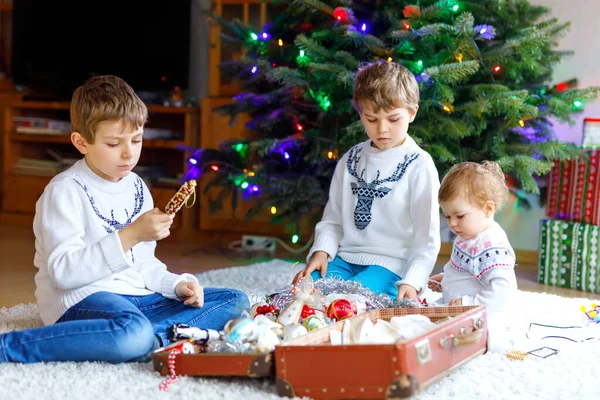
[(423, 349)]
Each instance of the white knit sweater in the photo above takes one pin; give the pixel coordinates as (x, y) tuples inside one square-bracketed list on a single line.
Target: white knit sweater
[(481, 271), (77, 247), (383, 210)]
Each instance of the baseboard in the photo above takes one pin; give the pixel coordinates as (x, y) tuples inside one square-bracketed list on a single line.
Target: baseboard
[(523, 256)]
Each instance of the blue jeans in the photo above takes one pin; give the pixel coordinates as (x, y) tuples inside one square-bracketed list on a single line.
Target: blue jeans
[(374, 277), (116, 328)]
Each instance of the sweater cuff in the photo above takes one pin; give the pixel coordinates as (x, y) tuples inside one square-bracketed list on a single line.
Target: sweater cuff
[(168, 284), (172, 280), (468, 300), (324, 243), (112, 249), (415, 278)]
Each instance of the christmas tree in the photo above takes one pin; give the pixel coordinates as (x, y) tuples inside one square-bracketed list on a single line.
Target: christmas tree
[(484, 69)]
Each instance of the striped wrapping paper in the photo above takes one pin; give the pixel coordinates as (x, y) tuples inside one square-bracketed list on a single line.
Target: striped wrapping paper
[(574, 190), (569, 255)]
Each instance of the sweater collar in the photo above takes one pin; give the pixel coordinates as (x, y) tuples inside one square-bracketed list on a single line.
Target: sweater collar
[(92, 179), (409, 146)]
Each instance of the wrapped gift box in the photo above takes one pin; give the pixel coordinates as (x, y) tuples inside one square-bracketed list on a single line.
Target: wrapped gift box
[(591, 132), (569, 255), (574, 190)]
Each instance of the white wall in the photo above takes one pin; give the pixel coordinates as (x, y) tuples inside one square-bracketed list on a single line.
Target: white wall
[(521, 224)]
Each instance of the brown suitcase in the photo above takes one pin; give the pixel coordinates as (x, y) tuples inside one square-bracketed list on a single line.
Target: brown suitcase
[(216, 364), (310, 366)]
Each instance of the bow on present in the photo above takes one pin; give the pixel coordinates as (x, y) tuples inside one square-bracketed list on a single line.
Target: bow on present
[(304, 294)]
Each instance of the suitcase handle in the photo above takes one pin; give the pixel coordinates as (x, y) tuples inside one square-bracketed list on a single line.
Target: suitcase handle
[(467, 339)]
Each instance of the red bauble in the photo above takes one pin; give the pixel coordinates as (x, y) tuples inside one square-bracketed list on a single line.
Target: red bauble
[(340, 14), (307, 311), (341, 309)]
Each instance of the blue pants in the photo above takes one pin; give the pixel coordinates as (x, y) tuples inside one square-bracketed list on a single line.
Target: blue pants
[(375, 277), (116, 328)]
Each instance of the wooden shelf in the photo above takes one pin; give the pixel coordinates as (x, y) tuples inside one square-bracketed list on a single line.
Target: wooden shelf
[(148, 143), (20, 191), (65, 105)]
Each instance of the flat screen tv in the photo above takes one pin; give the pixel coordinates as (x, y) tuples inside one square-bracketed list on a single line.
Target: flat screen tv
[(59, 44)]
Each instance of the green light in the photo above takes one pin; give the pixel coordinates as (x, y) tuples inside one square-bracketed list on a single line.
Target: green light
[(254, 36), (295, 239), (301, 53), (238, 180), (244, 185), (455, 8), (578, 105), (239, 147), (543, 91)]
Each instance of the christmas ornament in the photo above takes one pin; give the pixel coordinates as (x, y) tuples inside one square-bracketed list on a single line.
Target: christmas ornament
[(314, 322), (198, 335), (303, 293), (341, 309), (293, 331), (330, 286), (307, 311), (240, 330)]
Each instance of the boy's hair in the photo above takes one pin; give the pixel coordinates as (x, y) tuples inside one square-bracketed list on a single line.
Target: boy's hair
[(105, 98), (478, 182), (385, 85)]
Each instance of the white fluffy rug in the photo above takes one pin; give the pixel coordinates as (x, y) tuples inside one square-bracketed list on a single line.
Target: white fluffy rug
[(572, 374)]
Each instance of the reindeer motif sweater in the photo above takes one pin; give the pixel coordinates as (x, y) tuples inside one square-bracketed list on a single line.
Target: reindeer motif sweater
[(383, 210), (77, 247)]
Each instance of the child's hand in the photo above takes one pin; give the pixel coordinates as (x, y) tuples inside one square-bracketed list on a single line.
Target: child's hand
[(455, 302), (407, 291), (192, 292), (319, 260), (150, 226), (435, 283)]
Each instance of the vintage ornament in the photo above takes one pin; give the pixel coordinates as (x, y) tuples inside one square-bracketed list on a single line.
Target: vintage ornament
[(240, 330), (341, 309), (198, 335), (293, 331), (307, 311), (304, 294), (254, 309), (182, 346), (314, 322)]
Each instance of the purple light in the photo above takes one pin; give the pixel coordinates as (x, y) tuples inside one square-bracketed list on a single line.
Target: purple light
[(255, 188), (286, 155), (193, 161), (487, 32), (254, 69), (265, 35), (363, 27)]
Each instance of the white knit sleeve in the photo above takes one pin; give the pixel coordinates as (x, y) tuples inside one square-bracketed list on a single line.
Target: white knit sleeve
[(425, 222), (155, 274), (328, 232), (496, 296), (60, 231)]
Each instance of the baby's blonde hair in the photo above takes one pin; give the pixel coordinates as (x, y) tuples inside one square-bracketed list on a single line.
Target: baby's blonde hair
[(385, 85), (480, 183)]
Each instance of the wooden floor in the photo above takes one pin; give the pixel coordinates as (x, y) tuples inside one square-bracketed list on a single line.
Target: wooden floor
[(181, 254)]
